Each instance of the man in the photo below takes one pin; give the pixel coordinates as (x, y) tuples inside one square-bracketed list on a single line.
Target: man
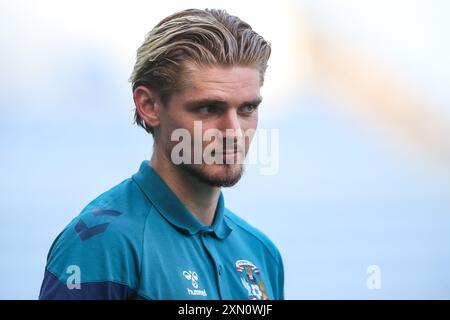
[(165, 233)]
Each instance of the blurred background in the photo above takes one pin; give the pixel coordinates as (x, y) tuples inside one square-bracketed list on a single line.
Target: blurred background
[(359, 90)]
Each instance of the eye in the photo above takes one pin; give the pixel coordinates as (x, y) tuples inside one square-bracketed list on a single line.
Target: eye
[(205, 110), (248, 109)]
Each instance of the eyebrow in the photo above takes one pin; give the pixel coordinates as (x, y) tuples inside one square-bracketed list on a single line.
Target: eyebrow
[(192, 104)]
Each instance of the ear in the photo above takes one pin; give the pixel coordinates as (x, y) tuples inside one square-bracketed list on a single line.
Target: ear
[(147, 105)]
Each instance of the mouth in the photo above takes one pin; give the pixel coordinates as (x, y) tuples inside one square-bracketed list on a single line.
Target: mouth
[(230, 156), (228, 152)]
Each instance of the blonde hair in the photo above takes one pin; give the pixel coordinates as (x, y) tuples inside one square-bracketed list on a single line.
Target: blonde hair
[(197, 37)]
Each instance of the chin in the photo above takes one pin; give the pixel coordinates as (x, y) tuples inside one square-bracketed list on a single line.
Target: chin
[(216, 175)]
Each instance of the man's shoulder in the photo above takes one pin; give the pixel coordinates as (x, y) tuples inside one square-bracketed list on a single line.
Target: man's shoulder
[(122, 208), (105, 237), (125, 196), (116, 212), (254, 232)]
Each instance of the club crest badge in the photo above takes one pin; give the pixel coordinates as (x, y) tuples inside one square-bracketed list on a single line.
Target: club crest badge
[(251, 280)]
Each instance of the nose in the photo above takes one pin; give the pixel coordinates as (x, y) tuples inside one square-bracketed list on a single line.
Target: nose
[(231, 126)]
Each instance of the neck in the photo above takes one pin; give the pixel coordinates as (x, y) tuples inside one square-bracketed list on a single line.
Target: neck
[(199, 198)]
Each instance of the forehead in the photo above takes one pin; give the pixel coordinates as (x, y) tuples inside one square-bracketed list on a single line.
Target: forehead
[(233, 84)]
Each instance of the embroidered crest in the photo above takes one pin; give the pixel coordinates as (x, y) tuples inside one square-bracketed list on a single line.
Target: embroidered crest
[(251, 280)]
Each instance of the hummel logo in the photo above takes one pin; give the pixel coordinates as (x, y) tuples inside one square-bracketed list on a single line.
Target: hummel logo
[(191, 275)]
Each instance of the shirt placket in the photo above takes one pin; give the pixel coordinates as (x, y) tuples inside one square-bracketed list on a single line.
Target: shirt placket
[(208, 242)]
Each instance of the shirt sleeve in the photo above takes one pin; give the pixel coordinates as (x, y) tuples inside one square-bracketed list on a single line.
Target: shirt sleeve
[(92, 259)]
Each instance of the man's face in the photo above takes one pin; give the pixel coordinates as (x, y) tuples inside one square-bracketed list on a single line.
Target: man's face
[(220, 98)]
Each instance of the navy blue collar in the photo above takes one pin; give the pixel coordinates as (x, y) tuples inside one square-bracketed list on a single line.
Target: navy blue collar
[(173, 210)]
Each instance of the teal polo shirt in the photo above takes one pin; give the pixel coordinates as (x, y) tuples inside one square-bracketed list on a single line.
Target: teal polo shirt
[(138, 241)]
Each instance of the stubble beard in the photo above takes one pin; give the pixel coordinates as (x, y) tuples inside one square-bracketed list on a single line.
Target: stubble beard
[(228, 176)]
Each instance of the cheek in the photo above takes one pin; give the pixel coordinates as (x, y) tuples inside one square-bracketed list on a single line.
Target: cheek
[(250, 125), (171, 121)]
